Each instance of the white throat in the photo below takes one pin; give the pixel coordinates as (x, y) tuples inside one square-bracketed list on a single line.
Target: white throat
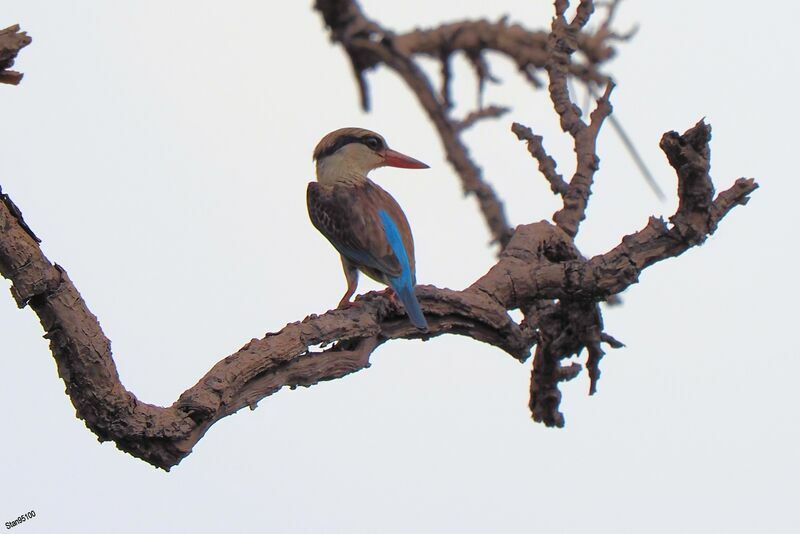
[(333, 170), (349, 164)]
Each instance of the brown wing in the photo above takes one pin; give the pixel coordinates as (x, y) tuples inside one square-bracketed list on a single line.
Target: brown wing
[(347, 215), (380, 199)]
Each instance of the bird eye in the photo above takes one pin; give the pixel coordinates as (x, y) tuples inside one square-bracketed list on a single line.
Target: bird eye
[(373, 143)]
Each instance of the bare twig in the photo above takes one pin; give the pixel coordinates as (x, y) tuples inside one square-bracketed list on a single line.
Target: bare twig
[(561, 45), (11, 42), (491, 112), (547, 165), (526, 48), (634, 153)]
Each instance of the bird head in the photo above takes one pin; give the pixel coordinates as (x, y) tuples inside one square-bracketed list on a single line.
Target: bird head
[(348, 154)]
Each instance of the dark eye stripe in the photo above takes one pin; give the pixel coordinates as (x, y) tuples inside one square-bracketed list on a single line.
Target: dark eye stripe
[(346, 140), (339, 143)]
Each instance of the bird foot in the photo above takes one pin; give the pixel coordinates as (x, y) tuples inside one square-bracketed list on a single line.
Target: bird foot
[(389, 293), (346, 304), (392, 296)]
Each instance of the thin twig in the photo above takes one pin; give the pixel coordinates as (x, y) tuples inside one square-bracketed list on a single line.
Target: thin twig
[(634, 153)]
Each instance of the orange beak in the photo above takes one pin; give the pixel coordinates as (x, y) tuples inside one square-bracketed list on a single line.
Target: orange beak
[(393, 158)]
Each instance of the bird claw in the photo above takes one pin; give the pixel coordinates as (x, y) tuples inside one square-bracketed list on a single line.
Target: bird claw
[(392, 296), (389, 293), (346, 305)]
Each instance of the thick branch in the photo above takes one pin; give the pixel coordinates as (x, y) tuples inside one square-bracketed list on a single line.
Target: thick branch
[(541, 261), (163, 436), (552, 273), (539, 264)]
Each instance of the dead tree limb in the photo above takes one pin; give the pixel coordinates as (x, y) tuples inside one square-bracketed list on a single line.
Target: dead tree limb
[(369, 45), (535, 266), (11, 42), (539, 271)]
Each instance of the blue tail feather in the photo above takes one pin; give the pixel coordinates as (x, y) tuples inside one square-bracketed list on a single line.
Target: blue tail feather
[(403, 285), (409, 300)]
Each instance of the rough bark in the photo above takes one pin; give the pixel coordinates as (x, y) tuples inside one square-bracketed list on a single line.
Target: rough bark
[(539, 271)]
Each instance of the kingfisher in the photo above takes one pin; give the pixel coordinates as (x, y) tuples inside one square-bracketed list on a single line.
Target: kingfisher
[(361, 220)]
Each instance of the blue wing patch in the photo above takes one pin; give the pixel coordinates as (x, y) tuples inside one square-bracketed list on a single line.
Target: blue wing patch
[(396, 242), (403, 285)]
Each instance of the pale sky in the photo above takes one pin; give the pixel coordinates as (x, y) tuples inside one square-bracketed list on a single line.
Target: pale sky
[(161, 150)]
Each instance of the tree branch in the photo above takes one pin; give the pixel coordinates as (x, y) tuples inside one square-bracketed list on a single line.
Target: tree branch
[(561, 45), (539, 264), (491, 112), (547, 165), (11, 42), (163, 436), (540, 271)]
